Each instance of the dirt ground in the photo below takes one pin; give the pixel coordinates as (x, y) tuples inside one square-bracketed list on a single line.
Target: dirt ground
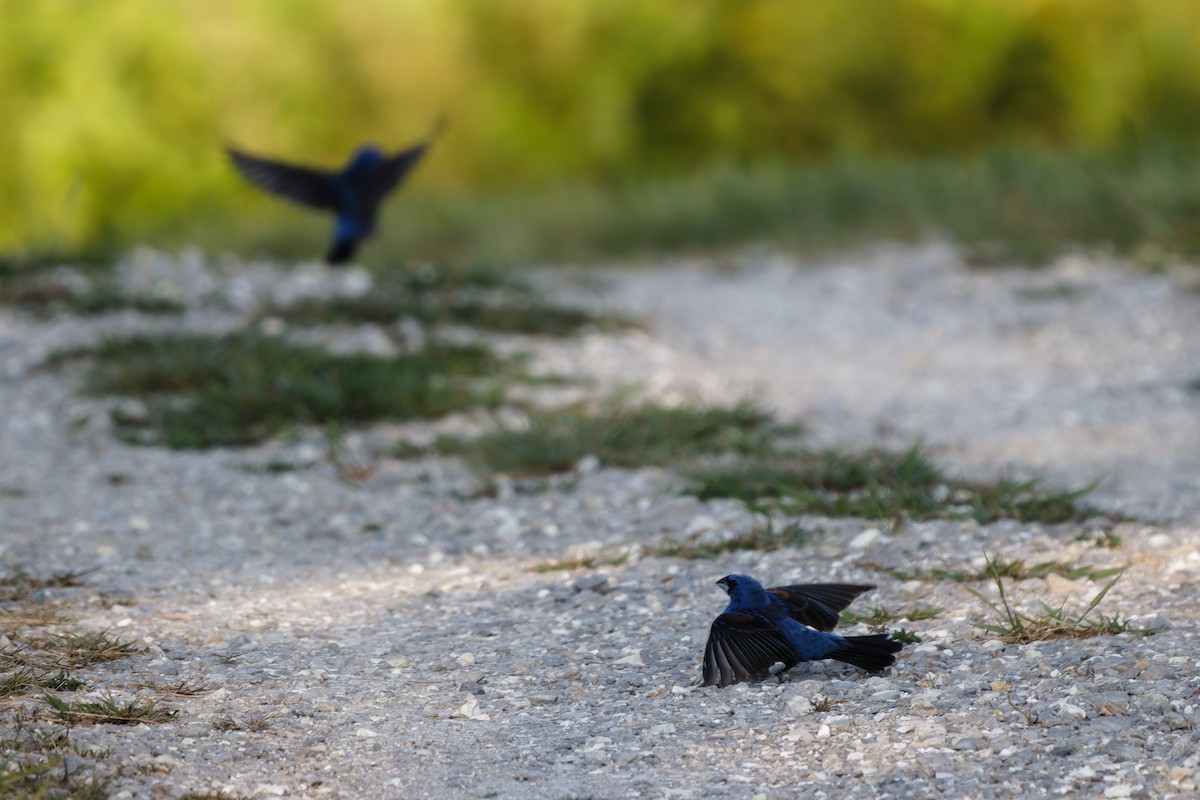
[(396, 638), (1077, 372)]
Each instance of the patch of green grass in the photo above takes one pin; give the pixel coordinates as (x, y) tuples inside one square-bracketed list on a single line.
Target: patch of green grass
[(14, 618), (482, 297), (764, 537), (880, 484), (185, 687), (1027, 501), (107, 710), (275, 467), (620, 436), (1062, 291), (22, 607), (254, 724), (37, 753), (830, 482), (205, 391), (45, 777), (1106, 539), (1013, 204), (1018, 627), (1015, 569), (28, 678), (77, 650), (533, 318), (905, 636), (877, 618), (350, 466), (744, 454), (35, 662), (85, 289), (20, 586), (16, 265), (509, 307), (45, 663), (556, 483), (585, 562), (822, 704), (1023, 205), (28, 663)]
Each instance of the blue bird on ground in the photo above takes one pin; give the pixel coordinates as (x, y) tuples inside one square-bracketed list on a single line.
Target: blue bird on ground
[(788, 624), (353, 193)]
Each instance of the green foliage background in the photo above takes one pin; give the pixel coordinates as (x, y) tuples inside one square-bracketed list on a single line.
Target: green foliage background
[(113, 113)]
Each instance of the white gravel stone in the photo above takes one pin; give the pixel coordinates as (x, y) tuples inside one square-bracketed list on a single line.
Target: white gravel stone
[(866, 539)]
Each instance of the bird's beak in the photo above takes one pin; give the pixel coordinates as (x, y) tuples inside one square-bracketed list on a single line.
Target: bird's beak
[(724, 584)]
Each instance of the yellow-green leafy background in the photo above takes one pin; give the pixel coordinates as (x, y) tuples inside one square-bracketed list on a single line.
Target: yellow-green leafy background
[(113, 112)]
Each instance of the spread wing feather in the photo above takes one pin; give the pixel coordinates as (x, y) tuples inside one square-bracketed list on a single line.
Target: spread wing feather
[(817, 605), (309, 187), (392, 171), (741, 648)]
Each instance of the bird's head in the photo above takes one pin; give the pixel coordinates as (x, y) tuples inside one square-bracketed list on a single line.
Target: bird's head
[(366, 157), (743, 588)]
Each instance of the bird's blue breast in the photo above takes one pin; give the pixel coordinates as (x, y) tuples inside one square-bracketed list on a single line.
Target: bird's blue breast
[(366, 158), (351, 228), (353, 183)]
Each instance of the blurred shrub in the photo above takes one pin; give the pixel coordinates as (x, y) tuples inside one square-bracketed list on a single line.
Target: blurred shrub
[(112, 113)]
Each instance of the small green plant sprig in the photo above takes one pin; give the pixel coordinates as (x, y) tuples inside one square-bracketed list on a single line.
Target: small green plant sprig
[(1053, 622)]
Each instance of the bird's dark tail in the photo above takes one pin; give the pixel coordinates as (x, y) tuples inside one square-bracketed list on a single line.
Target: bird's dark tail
[(873, 653), (341, 251)]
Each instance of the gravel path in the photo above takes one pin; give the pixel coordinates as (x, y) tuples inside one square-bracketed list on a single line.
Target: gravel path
[(389, 639)]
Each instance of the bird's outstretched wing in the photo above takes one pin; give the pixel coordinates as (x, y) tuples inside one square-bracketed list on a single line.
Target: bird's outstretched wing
[(743, 647), (389, 174), (309, 187), (817, 604)]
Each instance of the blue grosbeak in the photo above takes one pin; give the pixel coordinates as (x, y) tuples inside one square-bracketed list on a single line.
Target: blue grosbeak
[(354, 193), (787, 624)]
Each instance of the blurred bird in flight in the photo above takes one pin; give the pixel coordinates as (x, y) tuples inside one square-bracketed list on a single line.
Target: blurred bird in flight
[(788, 624), (353, 193)]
